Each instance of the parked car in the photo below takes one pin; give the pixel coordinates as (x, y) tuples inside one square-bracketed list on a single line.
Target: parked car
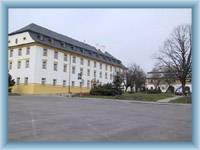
[(179, 90)]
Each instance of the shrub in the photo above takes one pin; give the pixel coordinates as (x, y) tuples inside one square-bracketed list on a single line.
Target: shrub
[(170, 89), (106, 89)]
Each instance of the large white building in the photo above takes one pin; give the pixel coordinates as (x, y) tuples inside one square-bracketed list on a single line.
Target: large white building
[(45, 62)]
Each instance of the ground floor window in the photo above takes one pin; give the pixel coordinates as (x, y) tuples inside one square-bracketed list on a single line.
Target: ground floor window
[(26, 80), (43, 81)]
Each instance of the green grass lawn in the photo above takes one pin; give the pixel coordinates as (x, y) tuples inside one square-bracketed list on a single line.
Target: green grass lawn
[(186, 99), (135, 96)]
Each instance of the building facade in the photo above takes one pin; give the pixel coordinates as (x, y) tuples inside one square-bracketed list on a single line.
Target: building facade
[(45, 62), (164, 80)]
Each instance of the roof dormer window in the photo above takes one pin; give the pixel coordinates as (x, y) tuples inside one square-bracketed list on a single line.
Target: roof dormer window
[(41, 37), (63, 44)]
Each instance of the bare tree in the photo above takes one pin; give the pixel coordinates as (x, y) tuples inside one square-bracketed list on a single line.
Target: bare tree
[(134, 77), (176, 53)]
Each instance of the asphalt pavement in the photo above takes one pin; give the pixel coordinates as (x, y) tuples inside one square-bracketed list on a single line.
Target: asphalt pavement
[(56, 118)]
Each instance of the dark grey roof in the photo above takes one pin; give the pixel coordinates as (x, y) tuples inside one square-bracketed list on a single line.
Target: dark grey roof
[(48, 37)]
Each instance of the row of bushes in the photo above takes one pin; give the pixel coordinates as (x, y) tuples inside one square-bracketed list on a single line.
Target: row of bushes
[(106, 89)]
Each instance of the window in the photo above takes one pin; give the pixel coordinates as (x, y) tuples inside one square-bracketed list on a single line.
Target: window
[(88, 63), (24, 38), (10, 65), (18, 64), (82, 61), (44, 52), (100, 65), (55, 66), (64, 83), (41, 37), (44, 64), (54, 82), (65, 68), (73, 70), (88, 72), (26, 80), (18, 80), (43, 81), (56, 55), (88, 84), (73, 83), (82, 83), (106, 76), (95, 64), (110, 68), (65, 57), (95, 73), (16, 41), (81, 70), (100, 74), (27, 64), (11, 53), (106, 67), (27, 50), (74, 59), (110, 76), (20, 52)]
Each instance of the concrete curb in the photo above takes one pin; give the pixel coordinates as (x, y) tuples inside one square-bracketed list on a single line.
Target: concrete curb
[(134, 101)]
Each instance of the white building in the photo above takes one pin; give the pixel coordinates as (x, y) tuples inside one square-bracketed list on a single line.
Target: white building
[(45, 62)]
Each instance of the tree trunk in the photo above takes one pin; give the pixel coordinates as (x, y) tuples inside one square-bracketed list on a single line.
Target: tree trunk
[(183, 87)]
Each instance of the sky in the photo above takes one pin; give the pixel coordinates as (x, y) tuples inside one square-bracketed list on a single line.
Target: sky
[(131, 35)]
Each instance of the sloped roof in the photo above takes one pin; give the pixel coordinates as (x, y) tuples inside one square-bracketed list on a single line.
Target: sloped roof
[(36, 31), (39, 29)]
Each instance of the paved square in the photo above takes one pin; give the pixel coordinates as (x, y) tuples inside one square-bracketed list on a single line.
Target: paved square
[(54, 118)]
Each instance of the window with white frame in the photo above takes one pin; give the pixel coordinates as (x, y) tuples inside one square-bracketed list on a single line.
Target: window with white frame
[(55, 66), (55, 54), (54, 82), (26, 80), (111, 76), (81, 70), (19, 52), (27, 50), (65, 57), (10, 65), (88, 72), (64, 83), (74, 59), (44, 52), (95, 73), (88, 62), (18, 80), (18, 64), (106, 75), (11, 53), (100, 74), (43, 81), (82, 61), (65, 68), (27, 64), (88, 83), (44, 64), (73, 83), (95, 64), (100, 65), (73, 70)]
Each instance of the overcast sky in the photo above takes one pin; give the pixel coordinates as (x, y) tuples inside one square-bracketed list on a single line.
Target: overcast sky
[(131, 35)]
